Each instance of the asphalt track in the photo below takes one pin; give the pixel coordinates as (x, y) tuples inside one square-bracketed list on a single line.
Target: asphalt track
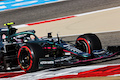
[(110, 38), (54, 10)]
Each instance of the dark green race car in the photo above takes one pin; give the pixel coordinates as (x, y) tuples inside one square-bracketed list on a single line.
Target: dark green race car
[(30, 53)]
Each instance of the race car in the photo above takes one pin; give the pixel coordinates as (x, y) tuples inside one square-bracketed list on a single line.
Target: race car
[(30, 53)]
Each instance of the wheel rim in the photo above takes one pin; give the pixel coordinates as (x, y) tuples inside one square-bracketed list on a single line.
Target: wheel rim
[(85, 45), (82, 46), (24, 58)]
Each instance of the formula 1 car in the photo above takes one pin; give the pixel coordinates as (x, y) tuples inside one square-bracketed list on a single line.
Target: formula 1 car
[(31, 53)]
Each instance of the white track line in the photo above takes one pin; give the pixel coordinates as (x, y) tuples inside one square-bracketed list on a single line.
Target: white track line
[(98, 11)]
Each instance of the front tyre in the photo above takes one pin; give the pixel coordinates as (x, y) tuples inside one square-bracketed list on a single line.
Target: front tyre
[(28, 57), (88, 42)]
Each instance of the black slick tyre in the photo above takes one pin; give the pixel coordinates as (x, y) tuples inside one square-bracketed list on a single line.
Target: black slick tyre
[(88, 42), (28, 57)]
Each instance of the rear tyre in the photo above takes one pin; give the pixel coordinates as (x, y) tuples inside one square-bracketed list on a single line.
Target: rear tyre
[(88, 42), (28, 57)]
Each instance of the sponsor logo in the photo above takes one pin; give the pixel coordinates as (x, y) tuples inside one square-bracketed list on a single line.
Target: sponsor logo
[(47, 62), (57, 60)]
